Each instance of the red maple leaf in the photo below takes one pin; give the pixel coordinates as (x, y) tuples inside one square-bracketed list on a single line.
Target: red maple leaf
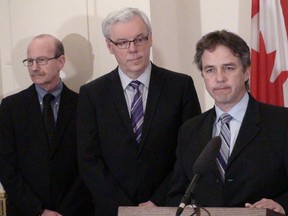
[(261, 69)]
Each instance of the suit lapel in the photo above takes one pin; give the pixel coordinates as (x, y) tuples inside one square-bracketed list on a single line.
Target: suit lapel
[(66, 109), (248, 130), (115, 90), (155, 89), (35, 116), (206, 135)]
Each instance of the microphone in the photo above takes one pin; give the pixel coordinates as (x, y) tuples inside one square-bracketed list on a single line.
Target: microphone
[(200, 168)]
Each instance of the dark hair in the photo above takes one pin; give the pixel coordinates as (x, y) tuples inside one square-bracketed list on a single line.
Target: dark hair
[(228, 39)]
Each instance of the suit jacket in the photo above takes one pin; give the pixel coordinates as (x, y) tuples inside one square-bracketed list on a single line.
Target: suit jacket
[(32, 175), (117, 170), (257, 167)]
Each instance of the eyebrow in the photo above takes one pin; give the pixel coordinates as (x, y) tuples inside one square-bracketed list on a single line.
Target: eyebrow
[(125, 39), (208, 66), (223, 65), (230, 64), (38, 57)]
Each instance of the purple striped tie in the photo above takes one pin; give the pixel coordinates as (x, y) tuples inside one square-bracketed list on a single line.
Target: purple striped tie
[(137, 114), (222, 158)]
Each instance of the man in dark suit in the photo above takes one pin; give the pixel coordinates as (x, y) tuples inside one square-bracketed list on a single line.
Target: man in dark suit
[(255, 174), (125, 165), (39, 171)]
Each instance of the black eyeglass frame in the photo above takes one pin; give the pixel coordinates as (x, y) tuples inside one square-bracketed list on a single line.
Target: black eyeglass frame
[(129, 42), (26, 61)]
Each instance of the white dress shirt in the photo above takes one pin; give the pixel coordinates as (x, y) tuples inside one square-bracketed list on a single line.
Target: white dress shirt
[(128, 90), (237, 113)]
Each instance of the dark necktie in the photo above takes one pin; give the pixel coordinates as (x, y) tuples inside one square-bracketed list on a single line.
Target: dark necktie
[(222, 158), (137, 113), (48, 117)]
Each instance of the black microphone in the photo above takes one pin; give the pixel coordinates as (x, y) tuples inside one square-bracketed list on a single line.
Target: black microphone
[(200, 168)]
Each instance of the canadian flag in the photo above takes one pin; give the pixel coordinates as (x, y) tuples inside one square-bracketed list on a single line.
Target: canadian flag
[(269, 54)]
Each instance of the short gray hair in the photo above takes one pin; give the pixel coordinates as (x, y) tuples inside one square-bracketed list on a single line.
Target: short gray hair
[(123, 15)]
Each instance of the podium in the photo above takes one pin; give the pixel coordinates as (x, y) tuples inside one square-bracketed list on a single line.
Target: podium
[(2, 203), (170, 211)]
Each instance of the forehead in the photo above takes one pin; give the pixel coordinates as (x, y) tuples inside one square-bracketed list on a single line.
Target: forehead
[(41, 47), (129, 29), (218, 56)]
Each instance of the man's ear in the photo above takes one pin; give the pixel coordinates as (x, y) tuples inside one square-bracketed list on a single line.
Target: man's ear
[(61, 61), (247, 73), (110, 46)]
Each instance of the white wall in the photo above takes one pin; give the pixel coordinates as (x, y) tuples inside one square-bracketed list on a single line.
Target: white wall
[(29, 18), (232, 15), (77, 23), (177, 25)]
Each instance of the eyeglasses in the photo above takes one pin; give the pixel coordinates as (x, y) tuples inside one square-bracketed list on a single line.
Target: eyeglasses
[(125, 44), (40, 61)]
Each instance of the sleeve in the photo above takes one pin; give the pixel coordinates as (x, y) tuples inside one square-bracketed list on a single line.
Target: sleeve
[(78, 200), (179, 180), (18, 191), (190, 107), (190, 102), (107, 193), (283, 198)]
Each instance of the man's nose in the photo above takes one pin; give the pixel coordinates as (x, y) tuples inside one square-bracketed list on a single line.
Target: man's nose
[(34, 65)]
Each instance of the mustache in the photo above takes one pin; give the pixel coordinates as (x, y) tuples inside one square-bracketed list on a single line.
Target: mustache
[(32, 74)]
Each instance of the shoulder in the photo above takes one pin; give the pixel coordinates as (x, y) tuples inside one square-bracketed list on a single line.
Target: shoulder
[(101, 81), (174, 81), (196, 130), (200, 121), (267, 111), (67, 91), (269, 107), (20, 96), (169, 73), (68, 96), (18, 103), (274, 113)]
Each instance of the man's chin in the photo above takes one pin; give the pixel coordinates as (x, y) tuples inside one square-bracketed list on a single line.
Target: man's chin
[(37, 81)]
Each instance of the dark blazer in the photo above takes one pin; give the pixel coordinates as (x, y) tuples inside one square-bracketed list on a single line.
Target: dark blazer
[(117, 170), (33, 176), (257, 167)]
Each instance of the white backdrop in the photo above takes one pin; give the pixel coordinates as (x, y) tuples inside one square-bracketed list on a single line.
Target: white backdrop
[(176, 25)]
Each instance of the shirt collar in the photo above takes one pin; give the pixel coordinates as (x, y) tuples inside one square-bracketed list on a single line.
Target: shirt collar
[(237, 112), (144, 78), (42, 92)]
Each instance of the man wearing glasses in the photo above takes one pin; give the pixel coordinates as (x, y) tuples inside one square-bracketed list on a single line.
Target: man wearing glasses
[(38, 156), (128, 119)]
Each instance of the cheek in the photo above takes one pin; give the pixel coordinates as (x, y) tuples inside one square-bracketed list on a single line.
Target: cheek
[(239, 80), (207, 82), (111, 50), (147, 53), (51, 71), (208, 85), (120, 57)]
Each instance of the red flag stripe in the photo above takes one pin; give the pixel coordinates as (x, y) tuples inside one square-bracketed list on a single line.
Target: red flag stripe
[(263, 60), (284, 4), (255, 7)]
